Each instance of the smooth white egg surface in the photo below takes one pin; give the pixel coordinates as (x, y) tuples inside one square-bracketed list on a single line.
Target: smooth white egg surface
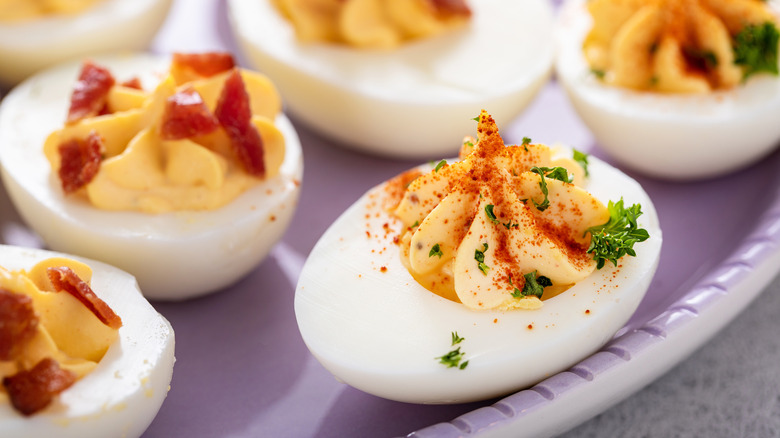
[(31, 45), (173, 255), (122, 394), (374, 327), (670, 136), (411, 102)]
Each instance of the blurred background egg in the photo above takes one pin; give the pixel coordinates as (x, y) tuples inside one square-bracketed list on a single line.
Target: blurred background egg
[(413, 101), (31, 39), (669, 136)]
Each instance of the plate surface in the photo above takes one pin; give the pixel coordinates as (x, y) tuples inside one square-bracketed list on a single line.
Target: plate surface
[(242, 369)]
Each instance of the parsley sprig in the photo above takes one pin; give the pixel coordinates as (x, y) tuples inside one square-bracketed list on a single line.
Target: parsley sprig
[(755, 49), (582, 159), (479, 256), (616, 238), (435, 251)]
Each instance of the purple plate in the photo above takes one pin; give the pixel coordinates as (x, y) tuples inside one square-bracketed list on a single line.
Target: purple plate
[(242, 369)]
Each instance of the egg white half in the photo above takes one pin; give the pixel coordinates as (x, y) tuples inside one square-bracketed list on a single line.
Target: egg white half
[(677, 137), (374, 327), (110, 25), (124, 392), (413, 101), (173, 255)]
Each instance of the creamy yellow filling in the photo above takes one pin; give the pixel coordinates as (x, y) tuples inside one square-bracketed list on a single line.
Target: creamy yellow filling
[(142, 172), (26, 10), (366, 23), (67, 332), (476, 227), (674, 46)]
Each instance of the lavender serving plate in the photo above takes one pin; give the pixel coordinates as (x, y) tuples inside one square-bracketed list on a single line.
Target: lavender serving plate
[(242, 369)]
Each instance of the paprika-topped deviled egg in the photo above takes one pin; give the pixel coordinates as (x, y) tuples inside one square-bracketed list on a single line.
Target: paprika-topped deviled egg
[(471, 279), (680, 90), (361, 72), (180, 170), (82, 353), (35, 34)]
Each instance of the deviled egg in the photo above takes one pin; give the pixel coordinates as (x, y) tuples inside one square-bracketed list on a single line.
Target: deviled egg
[(470, 279), (676, 90), (124, 181), (371, 98), (88, 355), (37, 34)]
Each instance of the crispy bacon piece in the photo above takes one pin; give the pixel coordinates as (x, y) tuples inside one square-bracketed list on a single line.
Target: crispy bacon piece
[(204, 64), (32, 390), (64, 279), (133, 82), (80, 161), (451, 7), (235, 115), (186, 115), (90, 92), (18, 322)]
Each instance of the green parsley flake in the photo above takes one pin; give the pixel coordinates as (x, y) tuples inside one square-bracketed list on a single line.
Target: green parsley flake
[(559, 173), (456, 339), (616, 238), (582, 159), (479, 256), (490, 214), (454, 357), (534, 285), (440, 164), (435, 251), (755, 49)]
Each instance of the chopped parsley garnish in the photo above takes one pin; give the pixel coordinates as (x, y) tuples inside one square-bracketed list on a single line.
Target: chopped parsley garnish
[(415, 224), (598, 73), (454, 357), (755, 49), (559, 173), (701, 59), (440, 164), (525, 143), (582, 159), (533, 285), (489, 211), (617, 236), (479, 256), (476, 119), (435, 251)]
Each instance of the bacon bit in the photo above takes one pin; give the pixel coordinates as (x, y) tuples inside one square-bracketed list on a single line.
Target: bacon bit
[(133, 83), (64, 279), (90, 92), (203, 64), (235, 115), (451, 7), (18, 322), (80, 161), (32, 390), (185, 116)]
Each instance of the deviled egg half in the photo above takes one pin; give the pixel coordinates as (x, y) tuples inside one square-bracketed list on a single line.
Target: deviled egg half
[(680, 90), (370, 98), (36, 34), (470, 279), (184, 173), (83, 354)]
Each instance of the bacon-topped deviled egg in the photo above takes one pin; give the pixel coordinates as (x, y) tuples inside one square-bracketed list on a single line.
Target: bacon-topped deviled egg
[(466, 280), (180, 170), (680, 90), (362, 71), (35, 34), (82, 353)]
